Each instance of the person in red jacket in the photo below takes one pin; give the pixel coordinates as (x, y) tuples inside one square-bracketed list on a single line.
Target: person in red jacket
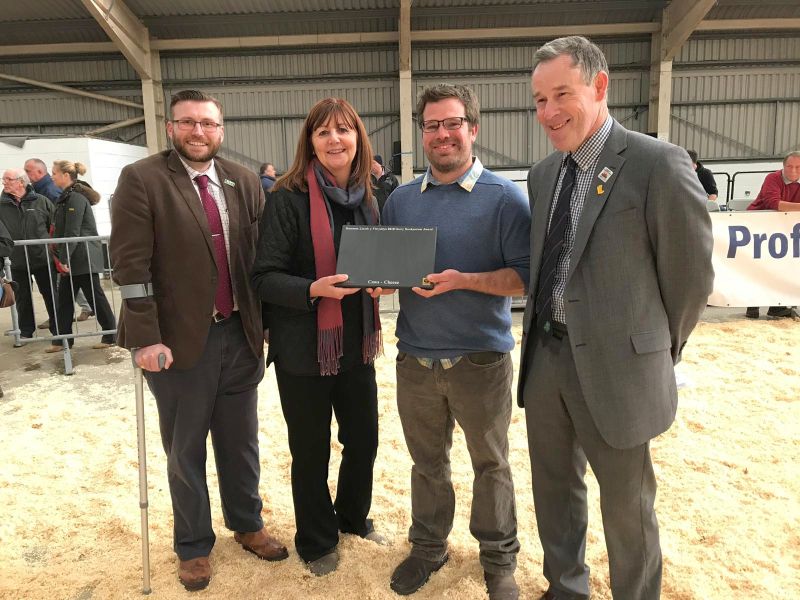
[(780, 191)]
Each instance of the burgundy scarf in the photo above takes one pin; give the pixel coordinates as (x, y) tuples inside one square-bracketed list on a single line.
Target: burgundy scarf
[(330, 327)]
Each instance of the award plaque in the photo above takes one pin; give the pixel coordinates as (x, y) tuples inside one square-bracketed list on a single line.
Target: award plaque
[(386, 257)]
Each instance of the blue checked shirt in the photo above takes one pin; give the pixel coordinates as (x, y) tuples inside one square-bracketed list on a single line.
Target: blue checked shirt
[(586, 158)]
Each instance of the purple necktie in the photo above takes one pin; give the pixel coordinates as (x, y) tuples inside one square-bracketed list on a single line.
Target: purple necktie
[(223, 299)]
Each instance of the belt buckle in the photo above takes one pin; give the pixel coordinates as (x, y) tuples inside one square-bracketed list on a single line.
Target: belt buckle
[(218, 317)]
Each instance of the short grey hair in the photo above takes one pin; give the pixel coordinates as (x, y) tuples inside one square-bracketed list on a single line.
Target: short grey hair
[(792, 154), (585, 55)]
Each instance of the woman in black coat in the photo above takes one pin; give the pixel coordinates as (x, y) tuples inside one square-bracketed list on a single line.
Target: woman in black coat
[(323, 338), (78, 263)]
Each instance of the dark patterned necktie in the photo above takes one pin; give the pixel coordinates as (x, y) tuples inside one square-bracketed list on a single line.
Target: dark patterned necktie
[(223, 299), (551, 251)]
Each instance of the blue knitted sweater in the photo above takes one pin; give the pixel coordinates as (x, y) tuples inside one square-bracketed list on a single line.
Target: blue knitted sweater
[(478, 231)]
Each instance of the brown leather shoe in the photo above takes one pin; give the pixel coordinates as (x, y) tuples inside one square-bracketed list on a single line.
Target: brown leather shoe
[(195, 573), (262, 544)]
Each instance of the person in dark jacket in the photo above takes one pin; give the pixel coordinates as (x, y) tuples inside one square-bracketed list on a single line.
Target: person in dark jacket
[(268, 176), (27, 216), (323, 338), (384, 181), (6, 244), (42, 183), (705, 176), (79, 263)]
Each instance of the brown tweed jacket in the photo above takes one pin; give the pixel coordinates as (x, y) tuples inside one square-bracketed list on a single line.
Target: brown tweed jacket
[(160, 234)]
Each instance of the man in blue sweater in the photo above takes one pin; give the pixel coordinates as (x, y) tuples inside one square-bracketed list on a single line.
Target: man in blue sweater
[(454, 362)]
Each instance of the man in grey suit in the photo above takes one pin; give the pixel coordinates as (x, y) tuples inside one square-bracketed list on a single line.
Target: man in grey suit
[(620, 273)]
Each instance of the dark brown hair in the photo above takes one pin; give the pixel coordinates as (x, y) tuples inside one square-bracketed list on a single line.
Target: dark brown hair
[(341, 111), (193, 96), (445, 91)]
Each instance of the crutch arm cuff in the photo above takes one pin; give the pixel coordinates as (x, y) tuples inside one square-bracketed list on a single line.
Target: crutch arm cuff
[(136, 290)]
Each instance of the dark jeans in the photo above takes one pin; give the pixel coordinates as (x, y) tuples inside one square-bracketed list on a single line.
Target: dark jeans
[(47, 285), (90, 284), (308, 403)]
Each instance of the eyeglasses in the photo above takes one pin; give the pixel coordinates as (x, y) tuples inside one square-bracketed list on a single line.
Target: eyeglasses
[(189, 124), (451, 124), (10, 179)]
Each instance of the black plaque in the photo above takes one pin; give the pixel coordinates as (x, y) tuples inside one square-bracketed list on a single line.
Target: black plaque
[(386, 257)]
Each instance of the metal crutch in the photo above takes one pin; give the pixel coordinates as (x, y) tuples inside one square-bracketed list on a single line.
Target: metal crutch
[(138, 381)]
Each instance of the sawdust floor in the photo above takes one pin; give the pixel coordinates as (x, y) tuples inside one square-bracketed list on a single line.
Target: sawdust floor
[(728, 473)]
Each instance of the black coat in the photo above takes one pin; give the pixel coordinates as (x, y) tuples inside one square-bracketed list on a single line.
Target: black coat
[(74, 218), (6, 243), (282, 275), (30, 219)]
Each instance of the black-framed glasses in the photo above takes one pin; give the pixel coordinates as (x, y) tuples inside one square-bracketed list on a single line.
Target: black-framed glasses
[(450, 123), (189, 124)]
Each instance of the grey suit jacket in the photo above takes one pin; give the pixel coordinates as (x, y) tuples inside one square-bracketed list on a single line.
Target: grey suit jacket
[(639, 278)]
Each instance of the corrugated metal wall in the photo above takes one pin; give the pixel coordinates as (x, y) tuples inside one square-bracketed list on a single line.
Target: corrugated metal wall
[(733, 96)]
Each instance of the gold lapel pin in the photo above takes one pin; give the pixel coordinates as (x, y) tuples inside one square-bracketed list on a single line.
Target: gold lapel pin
[(600, 190)]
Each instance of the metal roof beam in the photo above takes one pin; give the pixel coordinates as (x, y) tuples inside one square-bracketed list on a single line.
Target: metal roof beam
[(744, 24), (679, 21), (50, 49), (68, 90), (117, 125), (133, 39), (392, 37), (435, 35), (273, 41), (125, 30)]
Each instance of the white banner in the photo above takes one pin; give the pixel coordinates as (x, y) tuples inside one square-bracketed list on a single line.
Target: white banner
[(756, 258)]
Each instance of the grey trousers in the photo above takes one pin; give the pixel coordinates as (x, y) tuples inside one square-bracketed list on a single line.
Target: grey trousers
[(429, 402), (218, 395), (561, 437)]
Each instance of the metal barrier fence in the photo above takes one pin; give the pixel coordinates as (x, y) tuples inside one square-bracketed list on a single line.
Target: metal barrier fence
[(64, 338)]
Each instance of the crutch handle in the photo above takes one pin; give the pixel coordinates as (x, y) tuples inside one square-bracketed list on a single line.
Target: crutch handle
[(162, 359)]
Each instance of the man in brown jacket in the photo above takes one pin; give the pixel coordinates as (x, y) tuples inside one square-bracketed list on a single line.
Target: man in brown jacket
[(184, 226)]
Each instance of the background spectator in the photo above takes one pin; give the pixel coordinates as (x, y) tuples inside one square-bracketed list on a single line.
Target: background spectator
[(268, 176), (704, 175), (780, 191), (79, 263), (28, 216), (43, 184), (383, 181)]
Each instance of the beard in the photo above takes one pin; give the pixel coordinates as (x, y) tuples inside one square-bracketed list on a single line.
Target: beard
[(199, 154), (453, 162), (457, 159)]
